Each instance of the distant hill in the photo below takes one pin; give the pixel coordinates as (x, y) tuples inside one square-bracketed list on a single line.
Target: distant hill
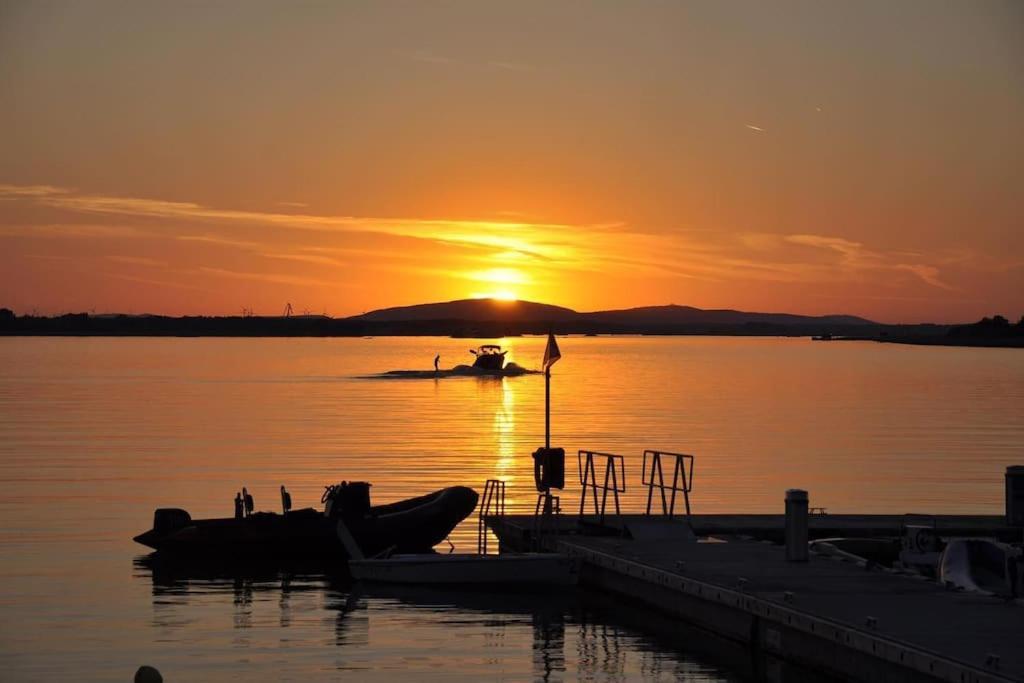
[(489, 310), (688, 315), (478, 319)]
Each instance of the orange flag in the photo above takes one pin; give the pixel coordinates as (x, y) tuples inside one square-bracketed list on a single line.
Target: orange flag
[(551, 352)]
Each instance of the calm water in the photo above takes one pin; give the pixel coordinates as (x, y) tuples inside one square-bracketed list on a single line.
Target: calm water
[(95, 433)]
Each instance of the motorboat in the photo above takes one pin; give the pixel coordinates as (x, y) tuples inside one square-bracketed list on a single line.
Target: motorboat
[(413, 525), (489, 357), (464, 569)]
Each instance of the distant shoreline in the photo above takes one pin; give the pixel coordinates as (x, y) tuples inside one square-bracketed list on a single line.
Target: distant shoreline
[(989, 343), (485, 319), (84, 325)]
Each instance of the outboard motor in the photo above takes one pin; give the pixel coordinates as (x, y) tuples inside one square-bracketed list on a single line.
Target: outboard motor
[(169, 520), (347, 500)]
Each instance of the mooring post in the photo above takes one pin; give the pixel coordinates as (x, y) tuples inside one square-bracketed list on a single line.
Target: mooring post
[(1015, 495), (796, 525)]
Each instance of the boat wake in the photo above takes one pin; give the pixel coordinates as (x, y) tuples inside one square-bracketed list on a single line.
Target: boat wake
[(510, 370)]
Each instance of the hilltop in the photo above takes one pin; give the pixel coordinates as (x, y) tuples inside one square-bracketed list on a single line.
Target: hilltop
[(475, 310), (528, 315)]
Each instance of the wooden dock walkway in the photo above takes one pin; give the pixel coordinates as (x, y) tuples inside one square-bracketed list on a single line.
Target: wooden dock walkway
[(826, 615)]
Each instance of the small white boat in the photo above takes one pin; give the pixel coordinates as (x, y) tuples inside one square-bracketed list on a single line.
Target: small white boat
[(536, 569)]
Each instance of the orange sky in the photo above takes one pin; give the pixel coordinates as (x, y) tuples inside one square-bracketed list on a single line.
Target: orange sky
[(862, 158)]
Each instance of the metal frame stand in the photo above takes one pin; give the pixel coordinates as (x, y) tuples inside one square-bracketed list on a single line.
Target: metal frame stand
[(614, 480), (682, 480)]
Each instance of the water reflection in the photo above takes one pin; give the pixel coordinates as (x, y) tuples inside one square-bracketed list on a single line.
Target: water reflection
[(406, 630), (504, 434)]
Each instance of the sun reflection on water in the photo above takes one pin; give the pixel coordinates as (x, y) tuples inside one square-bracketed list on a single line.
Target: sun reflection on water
[(504, 432)]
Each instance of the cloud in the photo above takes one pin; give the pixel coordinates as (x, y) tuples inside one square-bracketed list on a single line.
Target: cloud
[(305, 258), (276, 278), (428, 57), (473, 245), (158, 283), (757, 129), (21, 191), (505, 234), (855, 257), (137, 261), (71, 230), (220, 241)]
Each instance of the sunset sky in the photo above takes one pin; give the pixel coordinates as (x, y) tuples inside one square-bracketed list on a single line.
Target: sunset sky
[(811, 157)]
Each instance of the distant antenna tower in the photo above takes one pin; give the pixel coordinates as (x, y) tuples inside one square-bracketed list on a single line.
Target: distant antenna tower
[(288, 310)]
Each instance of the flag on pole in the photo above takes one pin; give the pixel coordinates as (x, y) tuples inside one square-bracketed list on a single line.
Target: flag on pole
[(551, 352)]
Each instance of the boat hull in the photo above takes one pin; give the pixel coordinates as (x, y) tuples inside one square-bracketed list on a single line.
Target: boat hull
[(491, 362), (413, 525)]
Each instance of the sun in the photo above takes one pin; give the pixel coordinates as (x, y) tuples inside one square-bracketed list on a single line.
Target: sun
[(500, 295), (502, 279)]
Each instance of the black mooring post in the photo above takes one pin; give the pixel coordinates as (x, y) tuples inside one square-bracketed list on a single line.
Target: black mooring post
[(547, 407)]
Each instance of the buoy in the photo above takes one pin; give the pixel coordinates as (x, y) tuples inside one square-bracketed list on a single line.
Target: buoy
[(147, 674)]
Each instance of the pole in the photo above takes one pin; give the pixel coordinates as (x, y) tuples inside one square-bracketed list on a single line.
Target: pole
[(547, 407), (796, 525)]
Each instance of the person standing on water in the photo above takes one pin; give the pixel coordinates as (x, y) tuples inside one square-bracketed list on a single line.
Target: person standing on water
[(437, 363), (239, 506), (286, 500), (249, 504)]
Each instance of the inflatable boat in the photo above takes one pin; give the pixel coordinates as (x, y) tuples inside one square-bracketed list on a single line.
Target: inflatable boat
[(414, 525)]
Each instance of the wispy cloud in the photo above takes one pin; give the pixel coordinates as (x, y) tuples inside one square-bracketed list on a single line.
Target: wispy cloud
[(514, 235), (220, 241), (137, 261), (276, 278), (855, 256), (428, 57), (543, 247), (21, 191), (305, 258), (55, 230), (159, 283), (756, 129)]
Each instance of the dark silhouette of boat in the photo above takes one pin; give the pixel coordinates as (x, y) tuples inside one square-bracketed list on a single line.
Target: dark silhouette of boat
[(414, 525), (489, 357)]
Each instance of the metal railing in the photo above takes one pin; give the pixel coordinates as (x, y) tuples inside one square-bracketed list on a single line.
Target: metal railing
[(682, 480), (614, 479), (492, 505)]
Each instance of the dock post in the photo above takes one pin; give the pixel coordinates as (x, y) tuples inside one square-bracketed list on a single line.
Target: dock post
[(796, 525), (1015, 495)]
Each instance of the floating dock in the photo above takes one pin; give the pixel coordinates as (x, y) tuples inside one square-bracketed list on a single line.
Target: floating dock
[(824, 615)]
